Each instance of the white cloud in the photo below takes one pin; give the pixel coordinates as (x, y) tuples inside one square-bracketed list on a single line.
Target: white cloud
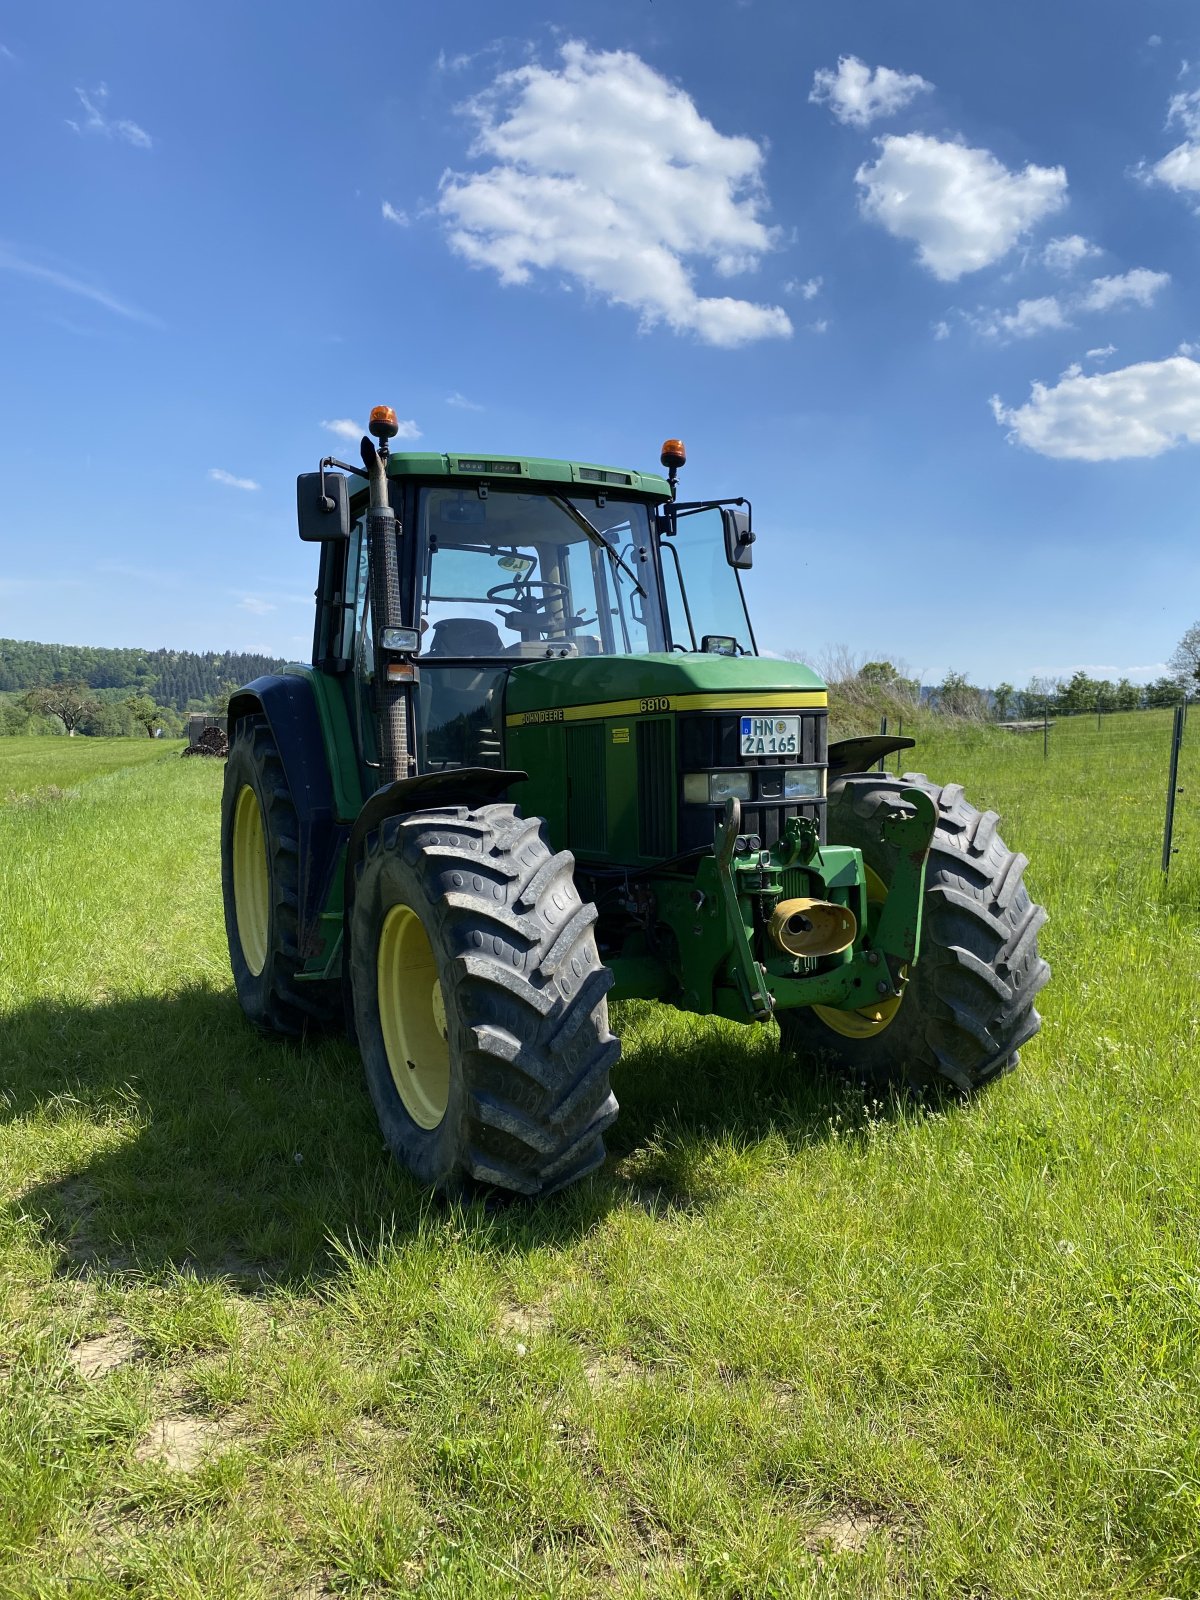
[(1138, 287), (1179, 169), (96, 120), (821, 325), (1064, 255), (1030, 317), (390, 214), (219, 475), (346, 428), (1154, 40), (858, 95), (461, 403), (10, 262), (1184, 109), (961, 207), (807, 288), (606, 175), (1140, 410), (256, 605), (1103, 351), (1186, 348), (941, 330)]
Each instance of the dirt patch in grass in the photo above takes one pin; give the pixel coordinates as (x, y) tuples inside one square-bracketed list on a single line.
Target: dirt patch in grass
[(181, 1443), (604, 1370), (848, 1531), (522, 1324), (93, 1358)]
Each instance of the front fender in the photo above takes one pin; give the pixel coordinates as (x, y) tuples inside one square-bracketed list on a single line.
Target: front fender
[(288, 702)]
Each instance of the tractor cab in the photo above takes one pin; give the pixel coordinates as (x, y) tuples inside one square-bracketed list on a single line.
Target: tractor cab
[(502, 563)]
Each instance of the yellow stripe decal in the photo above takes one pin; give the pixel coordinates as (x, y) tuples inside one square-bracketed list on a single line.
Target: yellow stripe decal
[(789, 700)]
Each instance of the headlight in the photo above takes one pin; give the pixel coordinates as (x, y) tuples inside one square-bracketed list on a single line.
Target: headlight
[(714, 788), (723, 784), (802, 783)]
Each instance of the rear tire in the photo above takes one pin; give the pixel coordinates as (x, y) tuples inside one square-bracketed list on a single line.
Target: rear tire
[(969, 1004), (479, 1001), (260, 885)]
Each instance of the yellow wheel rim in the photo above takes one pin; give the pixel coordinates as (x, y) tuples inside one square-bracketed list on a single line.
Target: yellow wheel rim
[(870, 1020), (251, 879), (412, 1017)]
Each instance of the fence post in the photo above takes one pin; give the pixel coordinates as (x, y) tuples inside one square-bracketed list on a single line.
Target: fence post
[(882, 730), (1172, 789), (899, 753)]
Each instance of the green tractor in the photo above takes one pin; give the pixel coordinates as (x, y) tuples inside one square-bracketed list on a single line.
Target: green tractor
[(537, 761)]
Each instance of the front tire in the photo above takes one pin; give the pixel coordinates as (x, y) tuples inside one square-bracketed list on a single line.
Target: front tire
[(479, 1001), (969, 1004)]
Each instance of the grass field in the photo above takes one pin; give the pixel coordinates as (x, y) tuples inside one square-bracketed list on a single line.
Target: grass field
[(785, 1344), (31, 766)]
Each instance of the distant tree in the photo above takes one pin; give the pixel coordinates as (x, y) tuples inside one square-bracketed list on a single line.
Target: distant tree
[(1185, 659), (878, 672), (72, 703), (1127, 695), (108, 721), (14, 717), (1106, 695), (959, 696), (1163, 692), (1040, 697), (144, 710), (1004, 695), (1078, 695), (219, 704)]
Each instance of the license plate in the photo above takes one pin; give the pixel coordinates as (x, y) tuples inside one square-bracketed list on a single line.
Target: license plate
[(770, 736)]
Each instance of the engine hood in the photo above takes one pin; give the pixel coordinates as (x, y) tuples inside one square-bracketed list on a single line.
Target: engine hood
[(626, 685)]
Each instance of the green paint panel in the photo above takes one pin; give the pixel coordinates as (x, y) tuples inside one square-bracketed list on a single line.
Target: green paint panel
[(583, 477), (545, 685)]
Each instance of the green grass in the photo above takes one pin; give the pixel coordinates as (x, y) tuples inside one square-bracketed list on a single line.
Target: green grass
[(786, 1344), (37, 768)]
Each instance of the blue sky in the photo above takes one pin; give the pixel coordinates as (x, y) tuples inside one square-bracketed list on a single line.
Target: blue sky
[(917, 278)]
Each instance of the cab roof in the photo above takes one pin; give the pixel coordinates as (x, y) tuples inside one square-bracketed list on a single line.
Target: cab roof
[(497, 469)]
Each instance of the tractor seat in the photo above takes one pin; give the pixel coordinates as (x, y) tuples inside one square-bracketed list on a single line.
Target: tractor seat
[(465, 636)]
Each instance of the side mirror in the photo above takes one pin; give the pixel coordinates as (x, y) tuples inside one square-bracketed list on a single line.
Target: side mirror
[(738, 536), (321, 517)]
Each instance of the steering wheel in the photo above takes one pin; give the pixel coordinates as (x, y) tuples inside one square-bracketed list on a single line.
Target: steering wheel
[(522, 590)]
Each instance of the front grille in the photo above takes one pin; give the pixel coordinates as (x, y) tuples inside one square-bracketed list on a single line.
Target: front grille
[(587, 792), (709, 741), (656, 792)]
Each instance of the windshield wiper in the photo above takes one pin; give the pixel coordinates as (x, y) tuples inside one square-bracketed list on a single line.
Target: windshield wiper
[(597, 537)]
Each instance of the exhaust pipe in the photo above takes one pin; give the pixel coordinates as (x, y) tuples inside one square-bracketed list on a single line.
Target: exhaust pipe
[(813, 927)]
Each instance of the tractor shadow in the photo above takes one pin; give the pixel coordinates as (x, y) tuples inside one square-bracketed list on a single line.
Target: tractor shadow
[(201, 1148)]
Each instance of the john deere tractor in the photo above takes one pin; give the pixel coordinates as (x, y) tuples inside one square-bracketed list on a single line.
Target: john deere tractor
[(537, 761)]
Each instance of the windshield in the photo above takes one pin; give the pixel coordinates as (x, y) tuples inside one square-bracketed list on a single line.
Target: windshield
[(710, 599), (517, 574)]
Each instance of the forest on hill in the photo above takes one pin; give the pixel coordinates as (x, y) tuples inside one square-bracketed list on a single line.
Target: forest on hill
[(183, 680)]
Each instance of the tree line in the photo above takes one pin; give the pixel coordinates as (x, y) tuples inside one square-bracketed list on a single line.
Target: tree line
[(183, 680), (83, 689)]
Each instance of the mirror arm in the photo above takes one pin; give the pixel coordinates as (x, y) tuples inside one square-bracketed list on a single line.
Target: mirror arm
[(332, 461)]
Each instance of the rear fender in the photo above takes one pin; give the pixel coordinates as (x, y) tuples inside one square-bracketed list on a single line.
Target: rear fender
[(289, 704)]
